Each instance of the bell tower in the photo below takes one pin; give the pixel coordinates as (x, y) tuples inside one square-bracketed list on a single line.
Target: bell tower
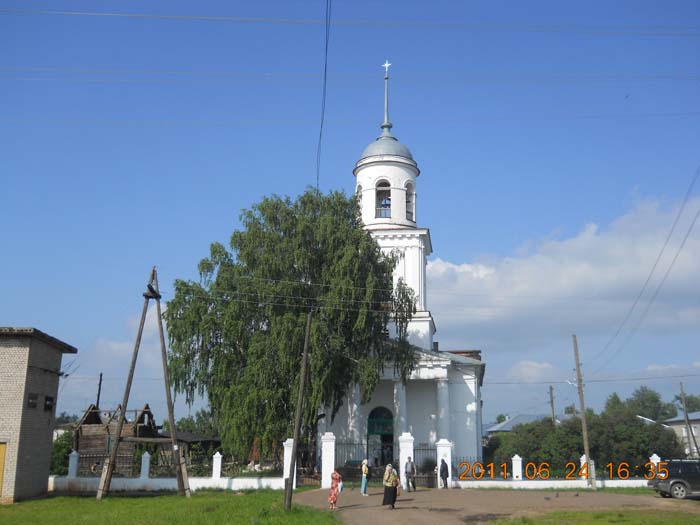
[(385, 182)]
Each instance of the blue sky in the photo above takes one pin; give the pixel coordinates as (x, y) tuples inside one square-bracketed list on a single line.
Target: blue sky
[(556, 143)]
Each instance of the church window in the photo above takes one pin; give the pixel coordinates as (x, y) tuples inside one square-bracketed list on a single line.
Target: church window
[(383, 201), (410, 202), (358, 195)]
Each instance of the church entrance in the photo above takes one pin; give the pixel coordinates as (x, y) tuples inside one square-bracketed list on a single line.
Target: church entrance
[(380, 436)]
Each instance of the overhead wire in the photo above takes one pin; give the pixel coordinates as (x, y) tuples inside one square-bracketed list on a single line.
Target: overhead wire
[(323, 92)]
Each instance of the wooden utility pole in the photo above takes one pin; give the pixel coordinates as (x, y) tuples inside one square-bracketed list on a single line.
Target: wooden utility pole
[(183, 485), (584, 429), (99, 391), (289, 482), (689, 427), (551, 402), (108, 467)]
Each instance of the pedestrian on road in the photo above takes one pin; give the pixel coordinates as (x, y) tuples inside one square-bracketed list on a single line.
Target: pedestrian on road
[(365, 477), (336, 487), (444, 472), (391, 482), (410, 471)]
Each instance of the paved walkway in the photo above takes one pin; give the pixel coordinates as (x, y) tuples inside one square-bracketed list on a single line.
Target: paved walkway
[(436, 506)]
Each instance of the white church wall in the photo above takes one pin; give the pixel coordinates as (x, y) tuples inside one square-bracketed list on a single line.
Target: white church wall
[(421, 400), (397, 174), (464, 425)]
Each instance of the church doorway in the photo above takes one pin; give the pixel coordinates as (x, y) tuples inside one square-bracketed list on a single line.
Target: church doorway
[(380, 436)]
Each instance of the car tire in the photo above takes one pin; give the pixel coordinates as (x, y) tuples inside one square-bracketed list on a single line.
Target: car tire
[(679, 491)]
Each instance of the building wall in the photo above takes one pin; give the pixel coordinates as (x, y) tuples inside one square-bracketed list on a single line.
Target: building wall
[(421, 405), (36, 443), (14, 354), (464, 421)]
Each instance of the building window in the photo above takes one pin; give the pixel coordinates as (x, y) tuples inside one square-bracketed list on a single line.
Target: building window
[(383, 200), (31, 400), (410, 202), (48, 403)]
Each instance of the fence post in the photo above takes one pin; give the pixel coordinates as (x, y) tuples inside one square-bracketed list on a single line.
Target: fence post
[(517, 467), (444, 451), (73, 464), (655, 459), (327, 459), (583, 462), (288, 462), (145, 465), (216, 465), (405, 452)]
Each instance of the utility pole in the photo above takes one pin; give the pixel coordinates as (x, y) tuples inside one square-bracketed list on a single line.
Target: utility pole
[(551, 402), (584, 429), (99, 391), (689, 427), (289, 482)]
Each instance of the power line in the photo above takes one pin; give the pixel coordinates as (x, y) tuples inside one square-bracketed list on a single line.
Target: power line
[(610, 380), (653, 297), (653, 267), (692, 31), (323, 94)]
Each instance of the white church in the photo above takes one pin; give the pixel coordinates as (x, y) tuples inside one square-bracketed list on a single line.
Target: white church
[(442, 398)]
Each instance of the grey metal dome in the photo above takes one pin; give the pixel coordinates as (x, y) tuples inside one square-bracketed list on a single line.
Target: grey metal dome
[(386, 144)]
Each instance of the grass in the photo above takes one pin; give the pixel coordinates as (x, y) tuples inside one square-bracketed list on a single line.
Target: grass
[(210, 507), (631, 517)]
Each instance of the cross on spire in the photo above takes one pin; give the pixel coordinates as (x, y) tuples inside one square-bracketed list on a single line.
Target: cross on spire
[(386, 125), (386, 65)]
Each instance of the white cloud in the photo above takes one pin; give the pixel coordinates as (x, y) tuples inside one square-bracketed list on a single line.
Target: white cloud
[(581, 284), (529, 371)]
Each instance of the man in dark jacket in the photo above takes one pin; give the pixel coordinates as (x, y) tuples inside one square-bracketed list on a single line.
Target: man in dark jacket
[(444, 472)]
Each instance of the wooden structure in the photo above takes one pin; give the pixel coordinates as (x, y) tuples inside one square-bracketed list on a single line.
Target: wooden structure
[(95, 435)]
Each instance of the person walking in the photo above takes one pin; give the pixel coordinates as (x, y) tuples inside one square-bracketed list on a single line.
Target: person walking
[(365, 477), (444, 472), (336, 487), (391, 483), (410, 471)]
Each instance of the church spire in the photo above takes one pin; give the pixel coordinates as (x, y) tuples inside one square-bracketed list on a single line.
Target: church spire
[(386, 125)]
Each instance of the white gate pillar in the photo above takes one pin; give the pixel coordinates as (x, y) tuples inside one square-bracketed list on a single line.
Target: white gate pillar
[(216, 466), (655, 459), (592, 465), (444, 451), (72, 464), (327, 459), (288, 444), (517, 467), (405, 452), (145, 465)]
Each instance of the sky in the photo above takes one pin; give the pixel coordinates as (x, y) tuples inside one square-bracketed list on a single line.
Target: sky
[(556, 142)]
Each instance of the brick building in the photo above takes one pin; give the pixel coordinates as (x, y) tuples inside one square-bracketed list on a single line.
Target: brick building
[(29, 373)]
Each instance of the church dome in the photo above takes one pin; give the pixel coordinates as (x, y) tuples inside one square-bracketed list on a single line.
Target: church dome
[(386, 144)]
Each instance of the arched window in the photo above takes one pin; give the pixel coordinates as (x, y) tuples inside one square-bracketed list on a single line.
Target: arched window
[(358, 195), (383, 201), (410, 202)]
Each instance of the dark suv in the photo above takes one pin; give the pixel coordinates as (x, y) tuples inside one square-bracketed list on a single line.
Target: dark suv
[(683, 479)]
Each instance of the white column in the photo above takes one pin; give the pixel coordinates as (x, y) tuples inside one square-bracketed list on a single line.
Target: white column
[(216, 466), (354, 413), (405, 452), (73, 458), (443, 409), (444, 451), (145, 465), (517, 467), (288, 444), (400, 408), (327, 459)]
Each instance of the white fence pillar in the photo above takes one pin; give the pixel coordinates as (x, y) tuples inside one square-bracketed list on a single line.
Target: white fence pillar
[(655, 459), (288, 444), (444, 451), (405, 452), (216, 466), (592, 466), (517, 467), (73, 458), (327, 459), (145, 465)]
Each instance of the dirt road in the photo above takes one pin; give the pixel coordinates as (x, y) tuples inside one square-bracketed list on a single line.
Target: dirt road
[(435, 506)]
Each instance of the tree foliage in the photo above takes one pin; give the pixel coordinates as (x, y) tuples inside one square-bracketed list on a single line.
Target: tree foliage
[(62, 447), (237, 334), (692, 402)]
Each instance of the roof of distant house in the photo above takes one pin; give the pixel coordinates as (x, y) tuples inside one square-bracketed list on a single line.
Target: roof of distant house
[(693, 416), (509, 424)]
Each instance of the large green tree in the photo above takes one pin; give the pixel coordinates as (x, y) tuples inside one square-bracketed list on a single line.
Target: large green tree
[(237, 334), (648, 403)]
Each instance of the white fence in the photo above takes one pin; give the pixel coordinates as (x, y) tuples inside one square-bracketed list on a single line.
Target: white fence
[(74, 484)]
